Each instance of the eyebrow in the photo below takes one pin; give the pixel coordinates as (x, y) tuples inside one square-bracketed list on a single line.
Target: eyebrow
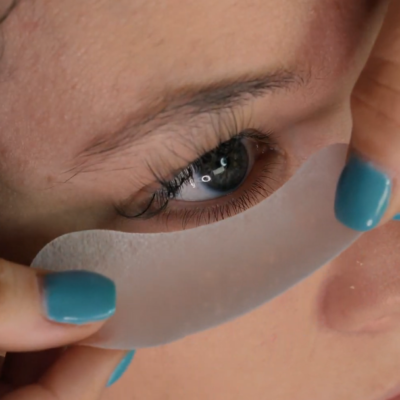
[(190, 101)]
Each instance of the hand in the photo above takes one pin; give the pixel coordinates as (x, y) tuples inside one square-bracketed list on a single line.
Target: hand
[(42, 311), (368, 192)]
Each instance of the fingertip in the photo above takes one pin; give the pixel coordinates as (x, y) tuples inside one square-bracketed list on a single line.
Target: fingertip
[(78, 297), (363, 194), (121, 368)]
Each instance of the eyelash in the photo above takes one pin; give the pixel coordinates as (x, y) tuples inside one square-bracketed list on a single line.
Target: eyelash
[(159, 201)]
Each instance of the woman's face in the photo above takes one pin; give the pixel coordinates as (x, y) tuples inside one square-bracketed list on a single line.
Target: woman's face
[(105, 103)]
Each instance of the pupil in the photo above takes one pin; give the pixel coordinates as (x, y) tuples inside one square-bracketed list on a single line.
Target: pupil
[(224, 168)]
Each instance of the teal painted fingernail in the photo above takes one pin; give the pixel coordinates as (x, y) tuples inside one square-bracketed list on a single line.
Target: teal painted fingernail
[(121, 368), (397, 217), (78, 297), (362, 195)]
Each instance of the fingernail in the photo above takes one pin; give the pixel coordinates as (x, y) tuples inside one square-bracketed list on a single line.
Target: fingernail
[(78, 297), (362, 195), (121, 368), (397, 217)]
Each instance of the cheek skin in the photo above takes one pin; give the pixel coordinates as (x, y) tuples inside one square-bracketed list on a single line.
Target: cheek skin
[(362, 294)]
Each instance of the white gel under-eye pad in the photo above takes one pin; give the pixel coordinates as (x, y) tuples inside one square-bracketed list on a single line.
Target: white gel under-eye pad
[(170, 285)]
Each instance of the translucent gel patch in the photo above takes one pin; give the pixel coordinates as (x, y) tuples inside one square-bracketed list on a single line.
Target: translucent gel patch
[(174, 284)]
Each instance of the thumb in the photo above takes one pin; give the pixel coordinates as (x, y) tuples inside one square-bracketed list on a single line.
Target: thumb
[(368, 191), (41, 311), (81, 373)]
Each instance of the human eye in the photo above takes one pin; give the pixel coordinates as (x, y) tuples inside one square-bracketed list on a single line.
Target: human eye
[(237, 174)]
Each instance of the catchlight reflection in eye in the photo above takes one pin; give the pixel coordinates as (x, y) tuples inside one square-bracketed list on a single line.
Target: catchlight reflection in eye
[(220, 171), (234, 176)]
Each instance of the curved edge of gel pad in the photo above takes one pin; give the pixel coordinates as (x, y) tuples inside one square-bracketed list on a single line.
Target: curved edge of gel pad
[(171, 285)]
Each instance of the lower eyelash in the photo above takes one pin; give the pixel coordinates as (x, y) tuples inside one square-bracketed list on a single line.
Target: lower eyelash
[(260, 188), (159, 201), (170, 189)]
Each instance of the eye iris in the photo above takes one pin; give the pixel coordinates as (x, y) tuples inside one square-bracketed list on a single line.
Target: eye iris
[(224, 168)]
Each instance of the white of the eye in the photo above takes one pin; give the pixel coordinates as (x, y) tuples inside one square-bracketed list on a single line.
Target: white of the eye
[(195, 190)]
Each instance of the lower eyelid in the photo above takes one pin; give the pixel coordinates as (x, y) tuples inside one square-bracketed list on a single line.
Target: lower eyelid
[(266, 177), (270, 171)]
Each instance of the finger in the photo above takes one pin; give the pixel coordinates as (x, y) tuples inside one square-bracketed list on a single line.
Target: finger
[(81, 373), (21, 369), (44, 311), (368, 192)]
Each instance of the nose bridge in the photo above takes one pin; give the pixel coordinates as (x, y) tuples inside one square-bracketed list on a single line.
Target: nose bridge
[(362, 293)]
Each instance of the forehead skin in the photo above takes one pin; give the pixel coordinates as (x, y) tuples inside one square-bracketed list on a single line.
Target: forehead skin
[(71, 70), (91, 63)]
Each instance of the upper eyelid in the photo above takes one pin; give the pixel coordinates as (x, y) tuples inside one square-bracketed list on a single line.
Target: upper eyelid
[(210, 99), (122, 208), (217, 120), (208, 132), (203, 122), (234, 125)]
